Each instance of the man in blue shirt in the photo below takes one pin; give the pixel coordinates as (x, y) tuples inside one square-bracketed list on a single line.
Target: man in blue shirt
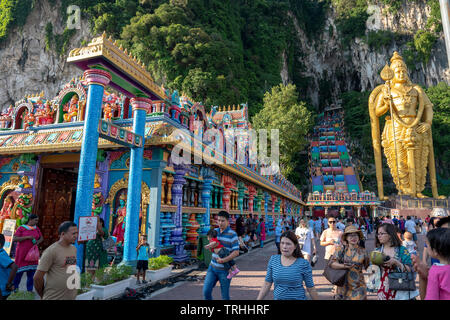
[(8, 271), (216, 270)]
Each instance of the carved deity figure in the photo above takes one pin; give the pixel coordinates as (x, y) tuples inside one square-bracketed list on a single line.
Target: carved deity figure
[(119, 229), (108, 112), (5, 212), (406, 137), (97, 204), (24, 208), (28, 119), (25, 184), (97, 183), (45, 115), (71, 109), (6, 117)]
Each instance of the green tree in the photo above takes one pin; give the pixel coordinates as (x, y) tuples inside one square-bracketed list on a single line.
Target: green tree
[(283, 111), (440, 97)]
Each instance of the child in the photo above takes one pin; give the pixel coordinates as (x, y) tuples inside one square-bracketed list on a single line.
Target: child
[(8, 271), (247, 240), (409, 244), (438, 247), (143, 255), (216, 247)]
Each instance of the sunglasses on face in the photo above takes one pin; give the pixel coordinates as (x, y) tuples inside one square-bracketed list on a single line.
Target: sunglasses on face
[(331, 221)]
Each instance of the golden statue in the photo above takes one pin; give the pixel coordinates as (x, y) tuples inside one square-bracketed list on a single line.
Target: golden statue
[(406, 137)]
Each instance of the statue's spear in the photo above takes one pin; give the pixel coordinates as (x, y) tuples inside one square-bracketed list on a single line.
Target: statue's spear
[(387, 74)]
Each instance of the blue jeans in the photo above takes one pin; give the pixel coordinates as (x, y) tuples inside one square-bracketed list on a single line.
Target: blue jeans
[(212, 276), (18, 278)]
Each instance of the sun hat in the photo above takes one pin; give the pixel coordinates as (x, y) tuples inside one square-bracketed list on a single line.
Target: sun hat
[(439, 212), (353, 229)]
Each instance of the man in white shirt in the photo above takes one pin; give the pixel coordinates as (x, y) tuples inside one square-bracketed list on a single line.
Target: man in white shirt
[(410, 226), (305, 238)]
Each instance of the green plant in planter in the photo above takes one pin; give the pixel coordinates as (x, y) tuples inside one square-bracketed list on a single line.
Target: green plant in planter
[(109, 275), (22, 295), (159, 262), (86, 280)]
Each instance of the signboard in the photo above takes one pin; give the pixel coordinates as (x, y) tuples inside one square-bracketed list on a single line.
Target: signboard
[(87, 228), (395, 213), (9, 227), (119, 135)]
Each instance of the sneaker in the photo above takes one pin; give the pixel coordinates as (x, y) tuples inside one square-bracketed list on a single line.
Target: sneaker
[(138, 282), (233, 273), (144, 281)]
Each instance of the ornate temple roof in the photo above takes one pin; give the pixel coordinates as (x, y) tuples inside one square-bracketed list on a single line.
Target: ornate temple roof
[(39, 124)]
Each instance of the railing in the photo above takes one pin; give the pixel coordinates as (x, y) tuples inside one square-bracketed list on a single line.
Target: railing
[(341, 196)]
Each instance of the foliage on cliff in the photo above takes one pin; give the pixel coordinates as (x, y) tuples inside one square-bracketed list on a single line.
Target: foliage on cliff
[(13, 13)]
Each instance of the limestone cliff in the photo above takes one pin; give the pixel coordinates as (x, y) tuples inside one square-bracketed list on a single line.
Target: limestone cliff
[(357, 67), (26, 67)]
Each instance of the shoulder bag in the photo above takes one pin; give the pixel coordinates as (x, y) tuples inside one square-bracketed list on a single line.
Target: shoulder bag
[(108, 243), (402, 280), (336, 276)]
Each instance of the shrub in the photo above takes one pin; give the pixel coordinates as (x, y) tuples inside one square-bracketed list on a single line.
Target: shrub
[(86, 280), (108, 275), (21, 295), (159, 262)]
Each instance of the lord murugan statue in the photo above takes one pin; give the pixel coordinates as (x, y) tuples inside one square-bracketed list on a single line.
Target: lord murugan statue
[(406, 137)]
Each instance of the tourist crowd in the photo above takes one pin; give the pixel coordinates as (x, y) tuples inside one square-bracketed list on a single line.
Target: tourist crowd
[(389, 270)]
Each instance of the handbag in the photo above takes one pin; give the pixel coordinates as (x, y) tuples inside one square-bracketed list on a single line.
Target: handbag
[(402, 281), (108, 243), (335, 276), (33, 254)]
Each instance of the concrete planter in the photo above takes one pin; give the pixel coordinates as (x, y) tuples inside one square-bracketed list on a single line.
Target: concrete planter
[(155, 275), (111, 290), (86, 296)]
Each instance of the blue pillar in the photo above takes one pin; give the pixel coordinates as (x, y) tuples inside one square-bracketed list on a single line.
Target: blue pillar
[(177, 193), (266, 204), (96, 80), (206, 199), (140, 107)]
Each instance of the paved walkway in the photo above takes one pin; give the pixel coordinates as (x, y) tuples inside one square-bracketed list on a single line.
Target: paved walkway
[(246, 285)]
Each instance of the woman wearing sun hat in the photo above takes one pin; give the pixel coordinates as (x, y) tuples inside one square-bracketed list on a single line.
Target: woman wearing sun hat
[(355, 259)]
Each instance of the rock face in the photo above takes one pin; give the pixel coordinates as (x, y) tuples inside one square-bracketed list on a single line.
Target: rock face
[(357, 67), (26, 67)]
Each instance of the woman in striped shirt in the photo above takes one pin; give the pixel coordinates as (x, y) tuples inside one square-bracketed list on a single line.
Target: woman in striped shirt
[(288, 271)]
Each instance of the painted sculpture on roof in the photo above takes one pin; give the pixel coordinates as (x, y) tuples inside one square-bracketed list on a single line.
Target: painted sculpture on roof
[(71, 109), (6, 117)]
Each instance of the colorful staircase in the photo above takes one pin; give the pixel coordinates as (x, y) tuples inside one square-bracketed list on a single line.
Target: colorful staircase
[(331, 166)]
